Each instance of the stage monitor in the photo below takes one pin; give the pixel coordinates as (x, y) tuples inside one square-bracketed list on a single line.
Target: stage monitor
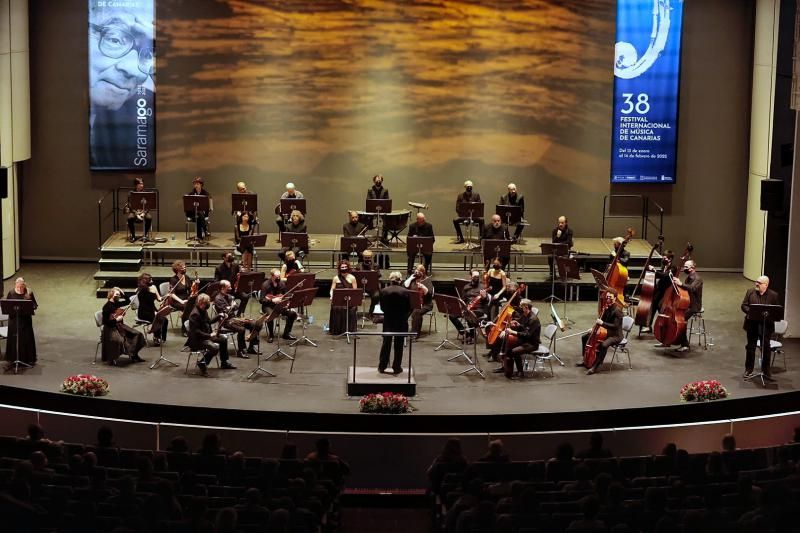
[(647, 61), (122, 61)]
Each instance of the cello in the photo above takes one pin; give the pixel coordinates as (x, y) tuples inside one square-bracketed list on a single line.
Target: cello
[(503, 319), (598, 333), (647, 281), (616, 274), (670, 324)]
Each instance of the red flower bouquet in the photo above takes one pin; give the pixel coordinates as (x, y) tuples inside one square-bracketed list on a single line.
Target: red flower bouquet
[(85, 385), (703, 391), (387, 402)]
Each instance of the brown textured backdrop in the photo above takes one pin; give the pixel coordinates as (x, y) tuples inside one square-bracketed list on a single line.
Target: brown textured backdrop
[(428, 93)]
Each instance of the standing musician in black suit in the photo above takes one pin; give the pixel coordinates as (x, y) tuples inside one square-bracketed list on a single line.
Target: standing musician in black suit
[(497, 230), (562, 234), (202, 338), (527, 329), (467, 196), (396, 308), (136, 213), (611, 320), (420, 229), (224, 303), (694, 286), (512, 198), (202, 216), (761, 294), (377, 192), (272, 292)]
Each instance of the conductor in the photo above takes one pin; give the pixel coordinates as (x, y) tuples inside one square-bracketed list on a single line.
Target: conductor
[(396, 308)]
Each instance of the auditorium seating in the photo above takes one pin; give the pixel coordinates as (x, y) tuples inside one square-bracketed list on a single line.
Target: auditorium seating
[(47, 486)]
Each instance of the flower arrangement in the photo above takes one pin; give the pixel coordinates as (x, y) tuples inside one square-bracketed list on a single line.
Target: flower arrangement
[(703, 391), (387, 402), (85, 385)]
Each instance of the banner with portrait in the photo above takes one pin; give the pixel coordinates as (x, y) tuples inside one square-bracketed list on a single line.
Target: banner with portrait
[(647, 63), (122, 130)]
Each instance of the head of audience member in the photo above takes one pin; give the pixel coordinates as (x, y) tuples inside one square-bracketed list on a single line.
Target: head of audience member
[(296, 217), (496, 449), (377, 181), (241, 187), (138, 184), (564, 451), (212, 444), (452, 451), (596, 441), (39, 460), (105, 437), (420, 219), (496, 221), (289, 451), (121, 51), (762, 284), (35, 432), (670, 449), (197, 183), (323, 448), (728, 443), (512, 190)]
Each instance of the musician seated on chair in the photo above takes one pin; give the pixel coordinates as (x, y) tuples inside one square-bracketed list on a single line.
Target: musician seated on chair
[(136, 214), (496, 349), (226, 304), (181, 291), (467, 196), (377, 192), (117, 337), (693, 284), (625, 256), (203, 339), (229, 271), (367, 263), (297, 224), (201, 220), (291, 192), (419, 281), (272, 292), (241, 188), (561, 234), (420, 229), (148, 296), (662, 283), (496, 230), (611, 320), (353, 228), (495, 281), (477, 299), (290, 265), (527, 329), (512, 198)]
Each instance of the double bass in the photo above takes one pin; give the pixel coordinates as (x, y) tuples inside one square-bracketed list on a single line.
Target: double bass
[(670, 324), (647, 281), (616, 274)]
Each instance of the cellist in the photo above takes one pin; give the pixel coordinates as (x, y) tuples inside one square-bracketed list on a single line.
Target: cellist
[(611, 320), (693, 284)]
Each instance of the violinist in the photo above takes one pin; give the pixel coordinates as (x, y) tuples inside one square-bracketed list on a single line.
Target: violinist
[(201, 336), (117, 337), (662, 284), (761, 294), (229, 271), (272, 292), (419, 281), (495, 281), (225, 304), (181, 291), (136, 213), (693, 284), (201, 220), (477, 299), (148, 295), (527, 330), (290, 265), (367, 263), (625, 256), (20, 327), (611, 320)]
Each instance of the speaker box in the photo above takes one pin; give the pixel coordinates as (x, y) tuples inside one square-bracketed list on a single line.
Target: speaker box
[(771, 195)]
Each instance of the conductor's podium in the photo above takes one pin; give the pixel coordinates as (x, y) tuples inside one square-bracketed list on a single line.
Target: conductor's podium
[(367, 380)]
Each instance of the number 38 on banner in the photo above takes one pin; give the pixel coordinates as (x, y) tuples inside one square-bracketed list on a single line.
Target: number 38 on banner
[(640, 104)]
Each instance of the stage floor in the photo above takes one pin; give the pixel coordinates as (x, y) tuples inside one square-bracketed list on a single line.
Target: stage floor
[(66, 337)]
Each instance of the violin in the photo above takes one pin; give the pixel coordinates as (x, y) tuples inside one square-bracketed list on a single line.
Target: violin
[(647, 281), (670, 324)]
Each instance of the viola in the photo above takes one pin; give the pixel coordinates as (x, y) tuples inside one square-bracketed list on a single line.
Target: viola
[(670, 324), (616, 274), (647, 281)]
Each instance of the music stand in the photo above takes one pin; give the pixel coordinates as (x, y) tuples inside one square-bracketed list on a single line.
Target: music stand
[(420, 247), (292, 204), (567, 270), (249, 280), (554, 249), (470, 211), (369, 282), (196, 203), (757, 313), (380, 207), (147, 201), (353, 246), (347, 297), (500, 248), (301, 299), (246, 202), (18, 308), (163, 312), (448, 305), (510, 214), (291, 240), (275, 314)]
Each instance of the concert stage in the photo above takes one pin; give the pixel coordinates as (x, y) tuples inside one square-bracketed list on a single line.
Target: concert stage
[(309, 393)]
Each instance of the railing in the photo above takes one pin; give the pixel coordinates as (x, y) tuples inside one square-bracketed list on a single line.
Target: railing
[(102, 218), (644, 202)]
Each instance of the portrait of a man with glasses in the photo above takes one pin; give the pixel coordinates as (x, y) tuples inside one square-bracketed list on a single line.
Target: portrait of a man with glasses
[(121, 84)]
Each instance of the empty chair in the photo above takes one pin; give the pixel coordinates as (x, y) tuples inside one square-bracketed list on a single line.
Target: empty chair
[(627, 324)]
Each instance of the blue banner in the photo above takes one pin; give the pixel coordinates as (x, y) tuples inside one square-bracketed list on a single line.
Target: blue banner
[(647, 61), (122, 132)]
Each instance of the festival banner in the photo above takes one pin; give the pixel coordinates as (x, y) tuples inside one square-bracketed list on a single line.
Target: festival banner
[(647, 61), (122, 132)]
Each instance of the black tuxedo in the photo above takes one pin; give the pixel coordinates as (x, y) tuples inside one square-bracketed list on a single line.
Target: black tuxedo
[(396, 308), (754, 328), (374, 193), (201, 338)]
